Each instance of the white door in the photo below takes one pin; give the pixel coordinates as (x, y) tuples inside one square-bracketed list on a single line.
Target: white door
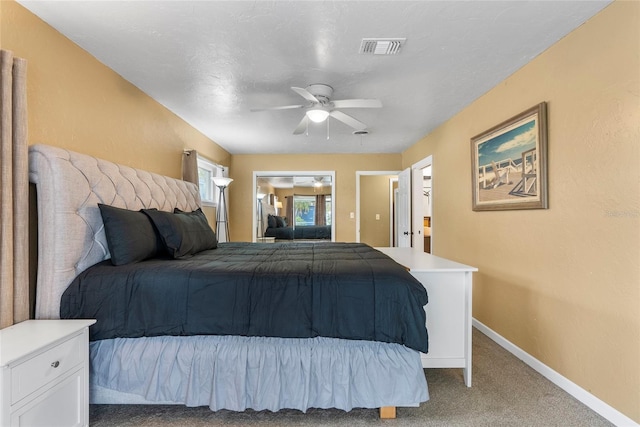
[(404, 208), (417, 210), (420, 206)]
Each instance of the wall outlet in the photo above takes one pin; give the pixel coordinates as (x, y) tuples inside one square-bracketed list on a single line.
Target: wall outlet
[(352, 215), (377, 217)]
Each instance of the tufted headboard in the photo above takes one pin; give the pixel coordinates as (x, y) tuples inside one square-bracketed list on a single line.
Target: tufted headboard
[(71, 234)]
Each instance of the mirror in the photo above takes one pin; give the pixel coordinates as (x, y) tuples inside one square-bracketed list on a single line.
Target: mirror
[(294, 206)]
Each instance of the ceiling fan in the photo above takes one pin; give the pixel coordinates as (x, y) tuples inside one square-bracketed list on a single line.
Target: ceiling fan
[(321, 107)]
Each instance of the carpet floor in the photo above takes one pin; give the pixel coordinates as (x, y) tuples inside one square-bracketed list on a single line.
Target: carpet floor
[(505, 392)]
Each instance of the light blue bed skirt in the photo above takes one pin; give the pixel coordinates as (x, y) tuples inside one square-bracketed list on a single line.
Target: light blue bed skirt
[(238, 373)]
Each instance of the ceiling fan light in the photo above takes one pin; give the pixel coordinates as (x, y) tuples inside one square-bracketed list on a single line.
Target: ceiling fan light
[(317, 115)]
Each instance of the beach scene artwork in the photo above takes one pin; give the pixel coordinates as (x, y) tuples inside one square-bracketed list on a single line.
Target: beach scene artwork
[(507, 166)]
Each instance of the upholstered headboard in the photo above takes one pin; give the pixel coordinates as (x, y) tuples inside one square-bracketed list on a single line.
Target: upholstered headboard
[(267, 210), (71, 234)]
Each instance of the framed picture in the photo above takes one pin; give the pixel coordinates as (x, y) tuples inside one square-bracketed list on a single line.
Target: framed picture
[(509, 163)]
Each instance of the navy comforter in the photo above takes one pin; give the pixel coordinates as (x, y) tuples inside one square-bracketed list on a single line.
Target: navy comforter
[(291, 290)]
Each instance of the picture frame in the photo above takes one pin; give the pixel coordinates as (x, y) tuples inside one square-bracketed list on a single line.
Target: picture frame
[(509, 163)]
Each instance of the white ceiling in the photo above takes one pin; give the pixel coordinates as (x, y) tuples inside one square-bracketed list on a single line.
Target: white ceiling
[(211, 61)]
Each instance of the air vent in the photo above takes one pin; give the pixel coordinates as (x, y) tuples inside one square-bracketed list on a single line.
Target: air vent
[(381, 46)]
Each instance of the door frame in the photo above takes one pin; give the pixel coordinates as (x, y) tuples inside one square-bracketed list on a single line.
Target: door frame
[(358, 175), (393, 221)]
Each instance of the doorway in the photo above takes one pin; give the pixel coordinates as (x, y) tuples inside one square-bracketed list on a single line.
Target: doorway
[(375, 213)]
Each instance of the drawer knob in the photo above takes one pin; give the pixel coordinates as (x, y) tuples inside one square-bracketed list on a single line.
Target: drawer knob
[(55, 364)]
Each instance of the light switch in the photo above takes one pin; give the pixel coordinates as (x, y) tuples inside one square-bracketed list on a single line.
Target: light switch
[(352, 215), (377, 217)]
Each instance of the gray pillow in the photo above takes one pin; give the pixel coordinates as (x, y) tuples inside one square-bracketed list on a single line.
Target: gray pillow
[(130, 235), (183, 233)]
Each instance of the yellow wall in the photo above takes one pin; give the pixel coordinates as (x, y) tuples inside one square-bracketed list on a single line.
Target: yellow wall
[(76, 102), (345, 166), (564, 283)]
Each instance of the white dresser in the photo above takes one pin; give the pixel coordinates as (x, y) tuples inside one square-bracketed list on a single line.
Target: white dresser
[(44, 373), (449, 287)]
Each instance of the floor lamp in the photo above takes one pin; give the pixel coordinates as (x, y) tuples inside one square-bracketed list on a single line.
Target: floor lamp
[(222, 224), (260, 231)]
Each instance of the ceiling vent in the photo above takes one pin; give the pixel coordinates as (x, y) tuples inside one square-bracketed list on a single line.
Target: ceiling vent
[(381, 46)]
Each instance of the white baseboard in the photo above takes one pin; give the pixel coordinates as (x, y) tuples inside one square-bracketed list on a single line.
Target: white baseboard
[(613, 415)]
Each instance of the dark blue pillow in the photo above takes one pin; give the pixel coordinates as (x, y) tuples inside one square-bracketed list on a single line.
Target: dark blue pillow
[(280, 222), (271, 221), (130, 235), (183, 233)]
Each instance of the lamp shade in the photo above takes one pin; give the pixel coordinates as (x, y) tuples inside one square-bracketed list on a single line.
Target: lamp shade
[(221, 181), (317, 115), (279, 205)]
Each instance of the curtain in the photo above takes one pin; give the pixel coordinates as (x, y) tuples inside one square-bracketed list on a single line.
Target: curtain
[(190, 166), (14, 191), (321, 209), (289, 211)]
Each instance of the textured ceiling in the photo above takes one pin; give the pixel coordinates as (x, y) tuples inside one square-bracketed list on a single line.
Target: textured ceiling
[(210, 62)]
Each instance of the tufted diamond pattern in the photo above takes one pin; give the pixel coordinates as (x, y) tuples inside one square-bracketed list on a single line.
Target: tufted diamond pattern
[(71, 234)]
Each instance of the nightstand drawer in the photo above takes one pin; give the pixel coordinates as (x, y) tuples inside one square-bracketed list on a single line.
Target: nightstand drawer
[(45, 367), (61, 405)]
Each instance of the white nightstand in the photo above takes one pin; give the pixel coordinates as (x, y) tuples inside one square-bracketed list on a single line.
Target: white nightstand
[(266, 239), (44, 373)]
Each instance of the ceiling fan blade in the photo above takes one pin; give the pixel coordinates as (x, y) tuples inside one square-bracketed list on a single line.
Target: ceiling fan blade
[(357, 103), (302, 126), (348, 120), (284, 107), (305, 94)]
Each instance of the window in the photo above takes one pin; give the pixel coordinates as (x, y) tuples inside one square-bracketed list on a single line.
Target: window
[(327, 210), (304, 209), (208, 191)]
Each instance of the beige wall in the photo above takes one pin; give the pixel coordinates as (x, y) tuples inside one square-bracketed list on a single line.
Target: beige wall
[(76, 102), (282, 194), (374, 199), (345, 166), (564, 283)]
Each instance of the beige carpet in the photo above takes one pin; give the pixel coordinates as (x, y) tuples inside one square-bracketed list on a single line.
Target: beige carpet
[(505, 392)]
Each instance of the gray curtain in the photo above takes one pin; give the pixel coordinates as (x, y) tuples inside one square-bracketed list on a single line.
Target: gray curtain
[(289, 211), (14, 191), (190, 166), (321, 210)]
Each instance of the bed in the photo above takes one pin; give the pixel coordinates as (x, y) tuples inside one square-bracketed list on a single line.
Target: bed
[(276, 227), (338, 353)]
